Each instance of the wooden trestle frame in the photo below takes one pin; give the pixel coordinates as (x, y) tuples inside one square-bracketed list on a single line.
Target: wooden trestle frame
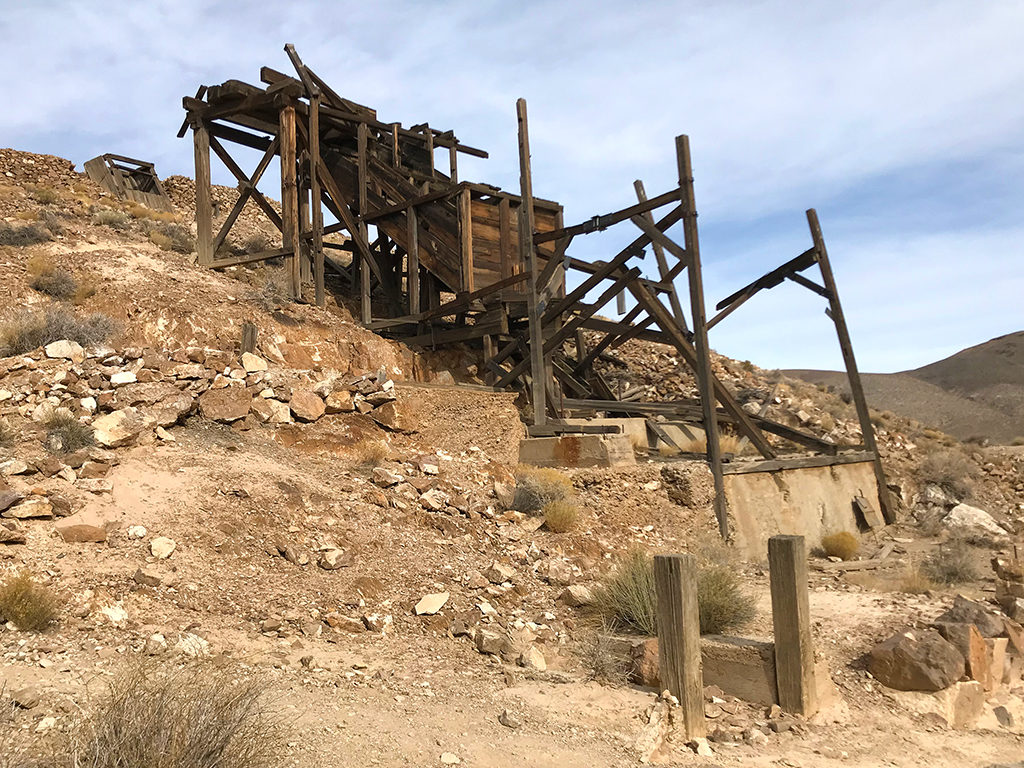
[(446, 266)]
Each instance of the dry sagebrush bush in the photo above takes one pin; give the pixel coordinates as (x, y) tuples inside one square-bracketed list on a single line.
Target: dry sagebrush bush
[(561, 516), (48, 278), (915, 581), (537, 487), (197, 716), (627, 599), (20, 237), (65, 433), (30, 606), (108, 217), (951, 471), (952, 563), (841, 544), (368, 453), (29, 330)]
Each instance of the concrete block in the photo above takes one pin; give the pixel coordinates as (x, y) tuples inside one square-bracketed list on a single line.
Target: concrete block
[(959, 706), (577, 451)]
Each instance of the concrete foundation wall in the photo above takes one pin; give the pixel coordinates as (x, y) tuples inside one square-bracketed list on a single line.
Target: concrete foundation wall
[(577, 451), (810, 502)]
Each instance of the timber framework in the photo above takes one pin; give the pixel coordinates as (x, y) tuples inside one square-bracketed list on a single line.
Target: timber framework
[(434, 260)]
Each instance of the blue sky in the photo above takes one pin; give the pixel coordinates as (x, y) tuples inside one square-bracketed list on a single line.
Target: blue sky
[(901, 122)]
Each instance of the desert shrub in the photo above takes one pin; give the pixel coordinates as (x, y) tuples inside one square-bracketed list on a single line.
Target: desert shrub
[(626, 599), (604, 658), (86, 289), (841, 544), (828, 422), (197, 716), (44, 195), (31, 234), (950, 470), (257, 242), (30, 606), (8, 434), (50, 221), (1017, 441), (951, 563), (140, 211), (109, 217), (537, 487), (65, 433), (915, 581), (561, 516), (368, 453), (50, 279), (728, 443), (29, 330), (172, 237)]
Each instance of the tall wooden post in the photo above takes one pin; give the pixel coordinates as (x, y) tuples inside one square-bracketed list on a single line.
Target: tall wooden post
[(852, 373), (453, 164), (412, 277), (315, 201), (366, 310), (679, 660), (791, 618), (204, 206), (528, 256), (290, 196), (466, 239), (705, 376)]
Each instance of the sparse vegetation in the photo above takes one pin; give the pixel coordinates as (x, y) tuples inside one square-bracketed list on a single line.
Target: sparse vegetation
[(368, 453), (952, 563), (536, 487), (198, 716), (841, 544), (257, 242), (604, 658), (915, 581), (951, 471), (30, 234), (727, 443), (140, 211), (627, 601), (109, 217), (29, 330), (44, 195), (1018, 441), (48, 278), (172, 237), (30, 606), (65, 433), (561, 516)]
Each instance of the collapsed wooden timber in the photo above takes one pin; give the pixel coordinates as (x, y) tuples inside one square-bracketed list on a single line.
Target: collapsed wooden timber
[(436, 261), (129, 179)]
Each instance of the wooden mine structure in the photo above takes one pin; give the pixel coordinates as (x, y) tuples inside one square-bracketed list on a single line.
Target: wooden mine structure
[(458, 262), (129, 179)]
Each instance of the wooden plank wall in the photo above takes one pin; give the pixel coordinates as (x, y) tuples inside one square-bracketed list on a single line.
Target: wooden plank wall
[(487, 241)]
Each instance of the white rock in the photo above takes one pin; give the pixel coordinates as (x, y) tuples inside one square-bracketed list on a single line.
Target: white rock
[(253, 363), (13, 467), (449, 758), (5, 394), (193, 645), (162, 547), (115, 614), (45, 724), (123, 377), (117, 428), (164, 435), (137, 531), (88, 404), (576, 595), (964, 517), (65, 349), (385, 477), (431, 604), (533, 658)]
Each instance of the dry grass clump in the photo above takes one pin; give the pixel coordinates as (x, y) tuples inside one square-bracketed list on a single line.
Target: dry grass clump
[(536, 487), (257, 242), (561, 516), (951, 471), (140, 211), (30, 234), (29, 330), (368, 453), (65, 433), (604, 658), (8, 434), (728, 444), (1017, 441), (44, 195), (197, 716), (30, 606), (48, 278), (952, 563), (109, 217), (172, 237), (627, 599), (841, 544), (915, 581)]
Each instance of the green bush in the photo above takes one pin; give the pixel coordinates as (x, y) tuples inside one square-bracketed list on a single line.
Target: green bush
[(198, 716), (30, 606), (30, 330), (538, 486)]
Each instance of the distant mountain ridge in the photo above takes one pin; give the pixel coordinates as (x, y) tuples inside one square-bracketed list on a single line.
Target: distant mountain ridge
[(977, 392)]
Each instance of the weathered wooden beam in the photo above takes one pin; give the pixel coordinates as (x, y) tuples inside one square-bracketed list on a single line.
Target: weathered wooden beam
[(659, 256), (204, 206), (290, 197), (791, 620), (608, 219), (678, 624), (528, 256), (466, 239)]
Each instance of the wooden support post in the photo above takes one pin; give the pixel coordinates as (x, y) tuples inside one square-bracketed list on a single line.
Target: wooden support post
[(204, 206), (528, 256), (466, 239), (508, 258), (794, 651), (248, 337), (413, 261), (305, 223), (365, 307), (678, 617), (395, 155), (852, 373), (290, 197), (705, 376), (430, 145), (453, 164), (315, 194), (489, 353)]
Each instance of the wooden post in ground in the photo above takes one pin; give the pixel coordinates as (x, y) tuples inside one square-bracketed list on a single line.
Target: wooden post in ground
[(365, 308), (852, 373), (705, 376), (528, 257), (248, 337), (290, 197), (791, 618), (315, 201), (204, 206), (679, 660), (466, 239)]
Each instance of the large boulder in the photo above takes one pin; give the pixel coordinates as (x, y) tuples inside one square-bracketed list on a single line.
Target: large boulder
[(227, 404), (966, 611), (118, 427), (916, 660), (968, 520), (306, 405)]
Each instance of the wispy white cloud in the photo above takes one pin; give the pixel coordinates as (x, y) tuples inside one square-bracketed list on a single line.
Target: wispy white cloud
[(787, 105)]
